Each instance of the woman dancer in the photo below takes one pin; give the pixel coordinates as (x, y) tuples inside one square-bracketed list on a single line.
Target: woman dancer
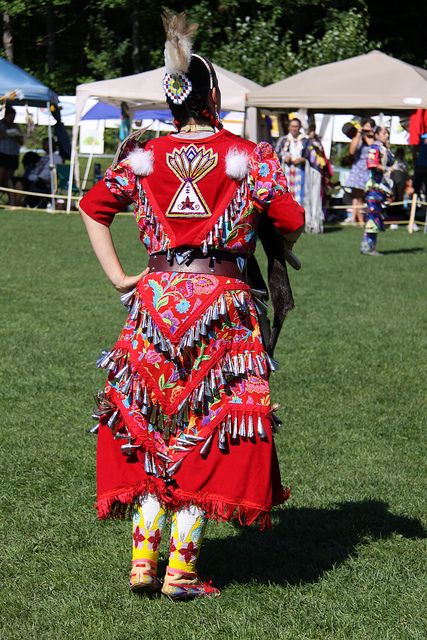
[(378, 188), (185, 422)]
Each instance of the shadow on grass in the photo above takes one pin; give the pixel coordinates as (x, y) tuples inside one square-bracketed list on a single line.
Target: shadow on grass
[(332, 228), (389, 252), (303, 544)]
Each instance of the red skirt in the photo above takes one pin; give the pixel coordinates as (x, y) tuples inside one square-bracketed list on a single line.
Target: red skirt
[(186, 411)]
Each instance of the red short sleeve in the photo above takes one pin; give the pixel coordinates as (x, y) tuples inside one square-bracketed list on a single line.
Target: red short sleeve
[(100, 204), (286, 214)]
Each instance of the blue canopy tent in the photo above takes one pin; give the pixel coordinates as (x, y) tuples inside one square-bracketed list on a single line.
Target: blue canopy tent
[(33, 92), (29, 92), (104, 111)]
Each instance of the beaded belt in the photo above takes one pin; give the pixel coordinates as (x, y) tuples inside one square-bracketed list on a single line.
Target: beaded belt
[(219, 263)]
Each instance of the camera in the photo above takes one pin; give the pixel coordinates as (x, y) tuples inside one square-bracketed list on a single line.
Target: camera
[(351, 128)]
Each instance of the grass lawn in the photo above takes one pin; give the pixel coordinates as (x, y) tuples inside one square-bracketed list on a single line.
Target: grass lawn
[(346, 559)]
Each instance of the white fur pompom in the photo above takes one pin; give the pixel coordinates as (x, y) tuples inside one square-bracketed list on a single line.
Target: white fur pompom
[(237, 163), (141, 162)]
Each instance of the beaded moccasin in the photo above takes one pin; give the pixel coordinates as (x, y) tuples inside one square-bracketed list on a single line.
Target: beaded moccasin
[(143, 577), (180, 585)]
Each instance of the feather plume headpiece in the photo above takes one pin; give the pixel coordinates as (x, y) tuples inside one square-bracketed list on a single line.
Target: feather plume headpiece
[(179, 40)]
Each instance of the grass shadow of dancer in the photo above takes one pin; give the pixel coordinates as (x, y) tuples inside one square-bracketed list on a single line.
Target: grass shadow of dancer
[(303, 544), (390, 252)]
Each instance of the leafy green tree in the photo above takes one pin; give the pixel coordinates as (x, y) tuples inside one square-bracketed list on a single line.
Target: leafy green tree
[(345, 35), (65, 42)]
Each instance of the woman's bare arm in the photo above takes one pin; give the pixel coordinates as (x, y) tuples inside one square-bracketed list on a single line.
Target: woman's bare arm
[(105, 251), (354, 143)]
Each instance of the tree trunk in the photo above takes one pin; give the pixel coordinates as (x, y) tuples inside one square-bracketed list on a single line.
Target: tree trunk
[(136, 60), (50, 28), (7, 37)]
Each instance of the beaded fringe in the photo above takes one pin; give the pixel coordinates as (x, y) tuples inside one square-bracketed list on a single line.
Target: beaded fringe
[(233, 426), (216, 238), (218, 310)]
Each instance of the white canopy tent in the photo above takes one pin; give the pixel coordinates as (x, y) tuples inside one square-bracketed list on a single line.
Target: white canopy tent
[(145, 91), (369, 83)]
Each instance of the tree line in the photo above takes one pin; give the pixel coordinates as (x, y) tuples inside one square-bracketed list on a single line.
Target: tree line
[(68, 42)]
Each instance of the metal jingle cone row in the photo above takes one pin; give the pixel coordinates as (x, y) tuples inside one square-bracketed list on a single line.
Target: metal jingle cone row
[(215, 238), (216, 381), (218, 310)]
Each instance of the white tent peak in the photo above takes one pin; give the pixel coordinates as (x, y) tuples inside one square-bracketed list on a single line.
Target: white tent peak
[(373, 81), (145, 90)]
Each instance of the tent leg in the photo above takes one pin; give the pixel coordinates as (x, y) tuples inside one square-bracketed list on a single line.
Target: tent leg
[(412, 214), (88, 166), (70, 178), (51, 165), (73, 157)]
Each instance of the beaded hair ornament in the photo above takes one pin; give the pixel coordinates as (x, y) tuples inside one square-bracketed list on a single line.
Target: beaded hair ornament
[(179, 39), (177, 87)]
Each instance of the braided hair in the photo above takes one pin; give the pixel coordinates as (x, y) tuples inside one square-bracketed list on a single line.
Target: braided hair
[(199, 105)]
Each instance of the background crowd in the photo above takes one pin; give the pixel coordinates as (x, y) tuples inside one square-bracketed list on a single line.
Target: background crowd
[(309, 172)]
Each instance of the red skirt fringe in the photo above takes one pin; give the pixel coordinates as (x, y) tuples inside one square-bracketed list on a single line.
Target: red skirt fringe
[(242, 483)]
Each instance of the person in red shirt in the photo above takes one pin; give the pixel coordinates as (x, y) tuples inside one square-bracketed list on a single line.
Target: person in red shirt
[(185, 423)]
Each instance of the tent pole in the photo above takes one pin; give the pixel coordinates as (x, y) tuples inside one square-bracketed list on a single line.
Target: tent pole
[(88, 166), (72, 161), (51, 165), (412, 213)]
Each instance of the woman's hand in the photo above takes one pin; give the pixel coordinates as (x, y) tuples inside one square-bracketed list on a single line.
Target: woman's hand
[(126, 283), (105, 251)]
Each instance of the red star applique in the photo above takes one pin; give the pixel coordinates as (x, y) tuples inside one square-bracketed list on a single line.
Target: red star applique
[(188, 204), (154, 539), (138, 537), (189, 552)]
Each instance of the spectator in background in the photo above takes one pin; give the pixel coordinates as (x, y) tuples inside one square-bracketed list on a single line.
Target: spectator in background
[(39, 178), (21, 183), (290, 149), (359, 174), (317, 174), (399, 174), (125, 122), (11, 140)]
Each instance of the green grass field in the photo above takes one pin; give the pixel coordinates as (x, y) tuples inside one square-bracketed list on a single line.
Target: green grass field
[(346, 559)]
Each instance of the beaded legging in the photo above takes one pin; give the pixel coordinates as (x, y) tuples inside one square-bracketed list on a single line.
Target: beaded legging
[(187, 531)]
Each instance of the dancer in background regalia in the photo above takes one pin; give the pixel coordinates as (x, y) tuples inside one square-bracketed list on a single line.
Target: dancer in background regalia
[(185, 423), (378, 188)]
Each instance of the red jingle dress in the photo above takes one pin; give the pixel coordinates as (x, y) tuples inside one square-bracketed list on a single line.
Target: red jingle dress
[(186, 411)]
